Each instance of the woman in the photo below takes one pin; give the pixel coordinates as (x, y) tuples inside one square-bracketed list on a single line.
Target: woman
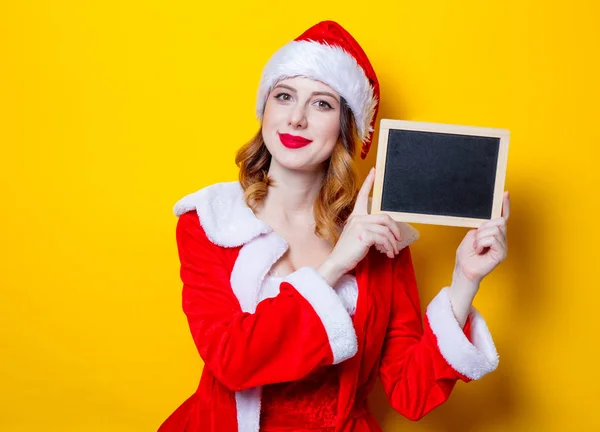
[(291, 309)]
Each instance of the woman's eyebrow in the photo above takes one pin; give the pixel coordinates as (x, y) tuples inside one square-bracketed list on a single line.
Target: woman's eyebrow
[(326, 94), (313, 93)]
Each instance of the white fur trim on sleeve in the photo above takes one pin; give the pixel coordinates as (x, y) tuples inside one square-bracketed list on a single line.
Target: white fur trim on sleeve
[(329, 308), (473, 360), (346, 289)]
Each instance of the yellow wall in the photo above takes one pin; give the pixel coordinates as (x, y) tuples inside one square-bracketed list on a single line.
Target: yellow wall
[(111, 110)]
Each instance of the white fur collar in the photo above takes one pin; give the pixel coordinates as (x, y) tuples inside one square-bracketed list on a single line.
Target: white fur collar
[(229, 222), (223, 213)]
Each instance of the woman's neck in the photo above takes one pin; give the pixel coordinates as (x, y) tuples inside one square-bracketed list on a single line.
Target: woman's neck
[(291, 199)]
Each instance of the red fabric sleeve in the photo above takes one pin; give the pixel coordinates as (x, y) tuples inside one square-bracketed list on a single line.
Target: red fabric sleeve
[(415, 376), (283, 340)]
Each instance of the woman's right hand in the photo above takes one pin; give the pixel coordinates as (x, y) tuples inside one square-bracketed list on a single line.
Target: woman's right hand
[(361, 231)]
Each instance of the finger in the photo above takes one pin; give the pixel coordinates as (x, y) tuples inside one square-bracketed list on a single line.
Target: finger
[(498, 237), (384, 230), (499, 222), (372, 238), (387, 242), (494, 244), (362, 198), (490, 241), (380, 242), (483, 243), (506, 206), (493, 222), (486, 232), (386, 220), (384, 251)]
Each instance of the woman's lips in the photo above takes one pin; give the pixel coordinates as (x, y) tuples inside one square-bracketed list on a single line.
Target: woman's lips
[(293, 141)]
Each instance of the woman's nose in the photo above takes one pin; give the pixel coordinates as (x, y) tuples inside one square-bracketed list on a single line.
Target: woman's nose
[(297, 118)]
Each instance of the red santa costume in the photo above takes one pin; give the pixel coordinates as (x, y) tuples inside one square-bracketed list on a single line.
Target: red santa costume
[(293, 353)]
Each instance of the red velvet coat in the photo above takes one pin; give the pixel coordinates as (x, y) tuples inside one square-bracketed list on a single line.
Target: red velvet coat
[(226, 251)]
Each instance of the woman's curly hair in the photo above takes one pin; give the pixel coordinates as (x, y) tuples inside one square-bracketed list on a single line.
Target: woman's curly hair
[(338, 192)]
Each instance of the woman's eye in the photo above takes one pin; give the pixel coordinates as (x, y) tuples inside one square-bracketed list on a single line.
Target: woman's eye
[(323, 104), (283, 96)]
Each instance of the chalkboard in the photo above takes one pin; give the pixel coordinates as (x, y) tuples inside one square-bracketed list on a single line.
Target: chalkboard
[(439, 173)]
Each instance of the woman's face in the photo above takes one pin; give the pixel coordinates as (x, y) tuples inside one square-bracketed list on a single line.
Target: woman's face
[(299, 110)]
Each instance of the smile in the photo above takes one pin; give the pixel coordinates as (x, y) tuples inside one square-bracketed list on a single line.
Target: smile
[(293, 141)]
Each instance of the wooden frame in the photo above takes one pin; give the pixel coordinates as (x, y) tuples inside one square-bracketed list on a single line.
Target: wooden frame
[(387, 124)]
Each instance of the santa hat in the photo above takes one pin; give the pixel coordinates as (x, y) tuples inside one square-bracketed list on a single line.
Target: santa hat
[(328, 53)]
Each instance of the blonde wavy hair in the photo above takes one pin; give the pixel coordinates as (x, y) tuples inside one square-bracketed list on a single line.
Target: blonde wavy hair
[(337, 195)]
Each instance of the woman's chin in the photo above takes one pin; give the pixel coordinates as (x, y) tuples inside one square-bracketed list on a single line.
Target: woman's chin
[(294, 160)]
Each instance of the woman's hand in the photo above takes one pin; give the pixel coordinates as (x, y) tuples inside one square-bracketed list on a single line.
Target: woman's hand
[(483, 248), (361, 231), (477, 255)]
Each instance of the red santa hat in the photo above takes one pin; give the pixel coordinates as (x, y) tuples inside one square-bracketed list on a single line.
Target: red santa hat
[(328, 53)]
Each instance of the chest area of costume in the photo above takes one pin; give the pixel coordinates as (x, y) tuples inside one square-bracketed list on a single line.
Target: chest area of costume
[(366, 295)]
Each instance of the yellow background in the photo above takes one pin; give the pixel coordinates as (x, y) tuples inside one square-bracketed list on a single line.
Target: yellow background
[(110, 111)]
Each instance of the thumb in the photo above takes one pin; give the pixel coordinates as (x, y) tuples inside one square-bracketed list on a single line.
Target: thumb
[(362, 198)]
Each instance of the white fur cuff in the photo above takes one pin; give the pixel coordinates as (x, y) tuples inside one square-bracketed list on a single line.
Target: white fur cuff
[(473, 360), (330, 309)]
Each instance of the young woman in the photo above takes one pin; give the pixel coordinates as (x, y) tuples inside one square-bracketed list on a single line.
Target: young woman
[(297, 298)]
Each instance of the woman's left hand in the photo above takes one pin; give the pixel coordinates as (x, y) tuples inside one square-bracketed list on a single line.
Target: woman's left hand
[(483, 248)]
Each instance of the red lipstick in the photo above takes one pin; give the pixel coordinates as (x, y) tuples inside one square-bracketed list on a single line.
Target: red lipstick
[(293, 141)]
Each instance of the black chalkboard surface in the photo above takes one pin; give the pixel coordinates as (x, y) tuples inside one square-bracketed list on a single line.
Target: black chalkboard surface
[(440, 174)]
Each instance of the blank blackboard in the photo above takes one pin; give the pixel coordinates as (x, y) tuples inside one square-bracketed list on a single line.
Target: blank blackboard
[(440, 174)]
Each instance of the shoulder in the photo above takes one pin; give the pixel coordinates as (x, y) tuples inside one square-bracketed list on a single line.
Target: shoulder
[(223, 214), (217, 193)]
